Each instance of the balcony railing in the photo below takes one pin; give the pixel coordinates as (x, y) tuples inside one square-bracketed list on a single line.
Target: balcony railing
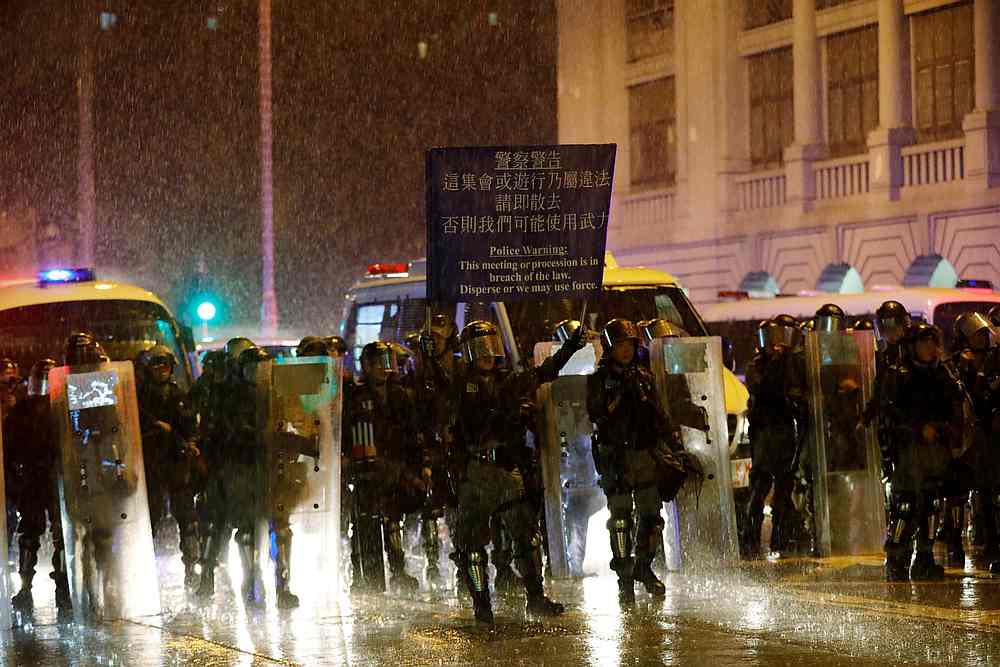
[(761, 189), (842, 177), (654, 207), (939, 162)]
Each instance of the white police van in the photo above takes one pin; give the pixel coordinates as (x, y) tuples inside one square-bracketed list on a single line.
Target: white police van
[(38, 316)]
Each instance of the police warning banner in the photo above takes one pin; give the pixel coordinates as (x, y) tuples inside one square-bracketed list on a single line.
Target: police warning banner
[(517, 222)]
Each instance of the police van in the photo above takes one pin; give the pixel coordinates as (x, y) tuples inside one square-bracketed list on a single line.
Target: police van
[(737, 319), (38, 316), (389, 302)]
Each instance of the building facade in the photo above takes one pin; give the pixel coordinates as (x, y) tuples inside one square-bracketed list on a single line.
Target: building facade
[(793, 145)]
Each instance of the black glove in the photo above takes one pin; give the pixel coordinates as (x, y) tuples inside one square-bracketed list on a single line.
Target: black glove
[(577, 341)]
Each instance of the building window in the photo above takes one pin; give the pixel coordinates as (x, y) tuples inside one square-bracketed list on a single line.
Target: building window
[(757, 13), (649, 27), (772, 124), (653, 128), (852, 89), (944, 71)]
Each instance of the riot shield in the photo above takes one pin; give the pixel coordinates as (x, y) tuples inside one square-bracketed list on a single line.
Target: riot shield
[(701, 524), (5, 607), (299, 402), (102, 492), (572, 495), (848, 508)]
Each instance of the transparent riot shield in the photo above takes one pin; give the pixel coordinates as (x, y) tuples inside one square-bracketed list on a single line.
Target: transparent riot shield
[(572, 495), (844, 462), (102, 492), (299, 403), (701, 522), (5, 608)]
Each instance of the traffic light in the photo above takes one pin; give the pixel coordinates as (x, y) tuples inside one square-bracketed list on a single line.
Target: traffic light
[(206, 311)]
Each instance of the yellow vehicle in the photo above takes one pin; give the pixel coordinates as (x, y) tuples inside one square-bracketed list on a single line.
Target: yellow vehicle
[(389, 303), (37, 317)]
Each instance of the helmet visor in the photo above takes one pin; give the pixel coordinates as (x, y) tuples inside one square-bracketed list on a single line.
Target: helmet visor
[(829, 323), (971, 327), (483, 346), (660, 328), (891, 327), (384, 359), (38, 384)]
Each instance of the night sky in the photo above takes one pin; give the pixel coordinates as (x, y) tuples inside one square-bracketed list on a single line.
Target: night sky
[(177, 128)]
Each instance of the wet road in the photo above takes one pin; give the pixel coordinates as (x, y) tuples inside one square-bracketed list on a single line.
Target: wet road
[(787, 612)]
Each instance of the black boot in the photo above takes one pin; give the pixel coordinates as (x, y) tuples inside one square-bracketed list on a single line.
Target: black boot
[(432, 551), (283, 570), (529, 564), (253, 588), (190, 557), (925, 569), (650, 532), (27, 558), (401, 581), (620, 532), (211, 545), (474, 571)]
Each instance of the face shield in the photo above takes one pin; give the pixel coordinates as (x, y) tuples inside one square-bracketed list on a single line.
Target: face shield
[(660, 328), (828, 323), (482, 347), (38, 384), (771, 335), (891, 329), (380, 359), (977, 331)]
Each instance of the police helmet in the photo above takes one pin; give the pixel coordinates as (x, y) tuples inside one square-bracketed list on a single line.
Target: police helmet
[(481, 339), (829, 318), (159, 354), (564, 330), (404, 357), (994, 316), (617, 330), (82, 350), (924, 331), (9, 367), (246, 363), (378, 354), (790, 331), (892, 320), (661, 328), (336, 345), (445, 327), (769, 334), (412, 341), (214, 362), (312, 346), (968, 329), (237, 346), (38, 381), (863, 325)]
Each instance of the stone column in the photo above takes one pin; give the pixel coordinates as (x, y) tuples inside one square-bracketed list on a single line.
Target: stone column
[(808, 147), (895, 128), (982, 126)]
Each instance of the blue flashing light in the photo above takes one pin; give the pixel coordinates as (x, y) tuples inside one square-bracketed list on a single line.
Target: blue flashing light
[(57, 276)]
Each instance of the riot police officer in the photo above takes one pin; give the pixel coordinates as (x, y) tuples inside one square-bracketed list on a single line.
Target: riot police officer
[(236, 472), (892, 322), (976, 360), (30, 451), (488, 403), (436, 370), (777, 383), (634, 433), (170, 452), (385, 467), (207, 397), (924, 400)]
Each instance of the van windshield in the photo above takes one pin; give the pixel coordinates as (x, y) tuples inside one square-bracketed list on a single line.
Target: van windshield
[(535, 321), (123, 327)]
